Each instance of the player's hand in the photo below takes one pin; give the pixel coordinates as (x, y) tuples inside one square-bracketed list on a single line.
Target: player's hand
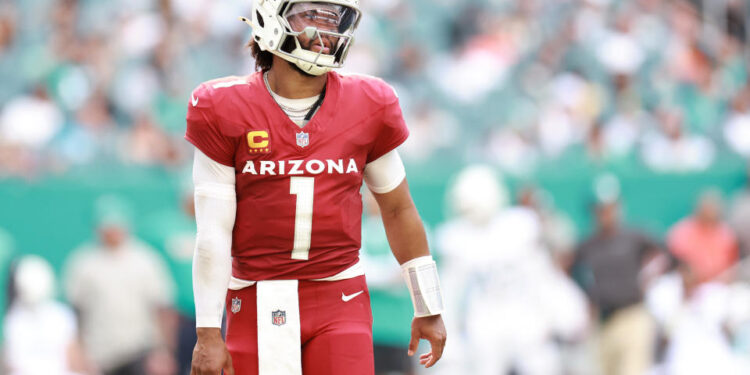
[(432, 329), (210, 355)]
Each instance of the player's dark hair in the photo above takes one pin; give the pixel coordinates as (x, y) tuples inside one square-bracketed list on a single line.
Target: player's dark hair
[(263, 59)]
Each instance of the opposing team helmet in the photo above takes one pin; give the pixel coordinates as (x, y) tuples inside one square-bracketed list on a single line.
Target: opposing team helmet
[(314, 35)]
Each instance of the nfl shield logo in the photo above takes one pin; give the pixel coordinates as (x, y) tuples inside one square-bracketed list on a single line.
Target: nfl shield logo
[(303, 139), (236, 305), (278, 317)]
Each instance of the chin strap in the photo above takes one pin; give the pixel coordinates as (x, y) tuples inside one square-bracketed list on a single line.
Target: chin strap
[(422, 280)]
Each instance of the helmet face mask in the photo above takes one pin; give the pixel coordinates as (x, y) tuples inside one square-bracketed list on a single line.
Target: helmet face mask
[(313, 35)]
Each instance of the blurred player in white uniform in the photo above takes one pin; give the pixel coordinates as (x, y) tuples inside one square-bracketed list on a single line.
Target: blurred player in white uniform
[(511, 302), (40, 333)]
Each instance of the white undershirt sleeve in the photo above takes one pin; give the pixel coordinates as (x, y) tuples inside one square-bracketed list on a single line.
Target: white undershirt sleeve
[(215, 209), (385, 173)]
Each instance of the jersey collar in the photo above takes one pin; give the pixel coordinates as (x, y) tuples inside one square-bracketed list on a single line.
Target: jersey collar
[(318, 121)]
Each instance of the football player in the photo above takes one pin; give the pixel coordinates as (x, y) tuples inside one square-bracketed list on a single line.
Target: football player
[(280, 157)]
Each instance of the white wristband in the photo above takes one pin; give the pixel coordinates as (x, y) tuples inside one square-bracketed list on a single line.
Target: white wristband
[(422, 280)]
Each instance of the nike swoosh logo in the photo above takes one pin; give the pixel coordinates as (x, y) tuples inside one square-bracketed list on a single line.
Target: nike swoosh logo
[(194, 100), (348, 298)]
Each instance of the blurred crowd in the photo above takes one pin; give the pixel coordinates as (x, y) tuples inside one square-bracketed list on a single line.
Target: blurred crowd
[(663, 84), (659, 82), (107, 82)]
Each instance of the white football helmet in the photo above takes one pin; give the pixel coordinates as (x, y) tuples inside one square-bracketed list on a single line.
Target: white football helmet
[(328, 25), (478, 193)]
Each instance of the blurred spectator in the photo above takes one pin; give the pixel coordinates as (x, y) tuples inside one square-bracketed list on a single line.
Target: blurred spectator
[(430, 130), (27, 125), (91, 135), (9, 47), (683, 58), (609, 265), (122, 293), (496, 267), (41, 336), (512, 149), (737, 127), (492, 51), (31, 121), (739, 215), (148, 145), (619, 51), (570, 111), (7, 27), (672, 149), (704, 242), (172, 233), (621, 133), (704, 324)]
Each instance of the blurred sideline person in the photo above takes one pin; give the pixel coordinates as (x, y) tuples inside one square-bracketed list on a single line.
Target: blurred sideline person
[(122, 292), (512, 305), (280, 158), (41, 335), (703, 241), (609, 265), (172, 233)]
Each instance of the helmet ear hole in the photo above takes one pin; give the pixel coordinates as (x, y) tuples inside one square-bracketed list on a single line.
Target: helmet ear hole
[(288, 45), (261, 23)]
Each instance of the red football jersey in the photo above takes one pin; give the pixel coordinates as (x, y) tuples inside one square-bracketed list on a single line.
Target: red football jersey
[(298, 203)]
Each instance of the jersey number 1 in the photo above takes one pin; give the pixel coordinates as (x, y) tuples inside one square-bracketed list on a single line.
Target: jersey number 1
[(303, 188)]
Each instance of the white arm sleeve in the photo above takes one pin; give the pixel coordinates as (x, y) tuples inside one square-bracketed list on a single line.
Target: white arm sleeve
[(385, 173), (215, 208)]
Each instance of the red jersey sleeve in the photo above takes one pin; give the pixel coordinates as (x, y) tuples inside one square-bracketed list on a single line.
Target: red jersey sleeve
[(393, 130), (204, 132)]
